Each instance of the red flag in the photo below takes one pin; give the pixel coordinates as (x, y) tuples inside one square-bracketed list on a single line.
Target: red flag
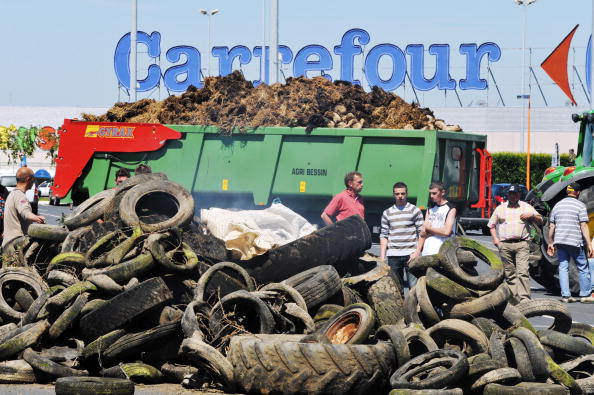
[(555, 65)]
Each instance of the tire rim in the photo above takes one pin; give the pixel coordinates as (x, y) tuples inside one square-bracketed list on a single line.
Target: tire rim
[(345, 327)]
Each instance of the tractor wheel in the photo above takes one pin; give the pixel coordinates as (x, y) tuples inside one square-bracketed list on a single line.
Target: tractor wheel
[(544, 269), (587, 197)]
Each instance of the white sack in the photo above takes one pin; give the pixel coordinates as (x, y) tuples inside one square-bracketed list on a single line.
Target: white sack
[(253, 232)]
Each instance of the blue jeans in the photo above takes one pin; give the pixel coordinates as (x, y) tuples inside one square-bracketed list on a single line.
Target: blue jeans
[(591, 266), (399, 265), (564, 252)]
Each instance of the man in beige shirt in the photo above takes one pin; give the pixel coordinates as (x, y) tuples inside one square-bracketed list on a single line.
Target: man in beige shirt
[(510, 233), (18, 214)]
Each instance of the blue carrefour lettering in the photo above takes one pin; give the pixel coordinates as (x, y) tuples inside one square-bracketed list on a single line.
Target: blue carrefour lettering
[(227, 57), (190, 68), (441, 79), (303, 62), (398, 66), (312, 60), (474, 56), (347, 51), (122, 60)]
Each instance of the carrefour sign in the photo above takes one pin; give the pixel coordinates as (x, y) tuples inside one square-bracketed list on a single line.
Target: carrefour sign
[(186, 62)]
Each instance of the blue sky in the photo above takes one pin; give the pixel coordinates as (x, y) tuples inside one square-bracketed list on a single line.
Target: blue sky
[(61, 53)]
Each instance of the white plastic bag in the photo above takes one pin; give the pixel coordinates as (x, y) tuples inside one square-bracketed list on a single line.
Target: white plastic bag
[(253, 232)]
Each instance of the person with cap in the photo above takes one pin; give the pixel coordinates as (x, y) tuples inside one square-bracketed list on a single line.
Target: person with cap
[(570, 236), (509, 227)]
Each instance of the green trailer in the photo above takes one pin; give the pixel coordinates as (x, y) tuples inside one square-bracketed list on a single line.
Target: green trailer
[(251, 169)]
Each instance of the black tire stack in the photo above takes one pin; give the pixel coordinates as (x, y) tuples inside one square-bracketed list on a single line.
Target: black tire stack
[(134, 291)]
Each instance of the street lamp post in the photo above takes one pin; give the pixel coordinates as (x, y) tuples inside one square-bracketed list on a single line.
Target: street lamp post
[(133, 51), (209, 14), (523, 96)]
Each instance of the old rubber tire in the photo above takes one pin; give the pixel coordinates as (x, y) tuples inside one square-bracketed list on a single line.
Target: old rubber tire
[(405, 391), (23, 340), (100, 344), (49, 367), (487, 325), (484, 304), (411, 308), (164, 198), (16, 372), (262, 318), (136, 371), (565, 342), (112, 209), (454, 362), (205, 278), (133, 343), (331, 245), (28, 278), (497, 348), (480, 364), (462, 331), (551, 307), (449, 262), (395, 335), (316, 285), (519, 358), (582, 330), (314, 368), (503, 375), (66, 319), (124, 308), (536, 352), (446, 289), (385, 298), (418, 341), (351, 325), (90, 210), (81, 239), (31, 315), (425, 304), (47, 232), (287, 291), (93, 385), (525, 388)]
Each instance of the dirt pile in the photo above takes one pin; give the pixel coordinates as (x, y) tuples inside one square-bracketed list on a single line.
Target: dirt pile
[(232, 102)]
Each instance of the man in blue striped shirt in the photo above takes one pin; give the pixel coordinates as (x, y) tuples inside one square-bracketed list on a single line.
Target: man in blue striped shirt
[(400, 228), (569, 234)]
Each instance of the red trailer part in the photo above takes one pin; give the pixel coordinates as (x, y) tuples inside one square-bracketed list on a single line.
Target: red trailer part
[(86, 138)]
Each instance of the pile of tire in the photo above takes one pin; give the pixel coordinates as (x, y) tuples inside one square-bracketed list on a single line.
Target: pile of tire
[(471, 337), (133, 289)]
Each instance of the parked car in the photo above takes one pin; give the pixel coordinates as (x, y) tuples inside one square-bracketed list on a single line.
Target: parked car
[(44, 189), (32, 194), (499, 193)]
